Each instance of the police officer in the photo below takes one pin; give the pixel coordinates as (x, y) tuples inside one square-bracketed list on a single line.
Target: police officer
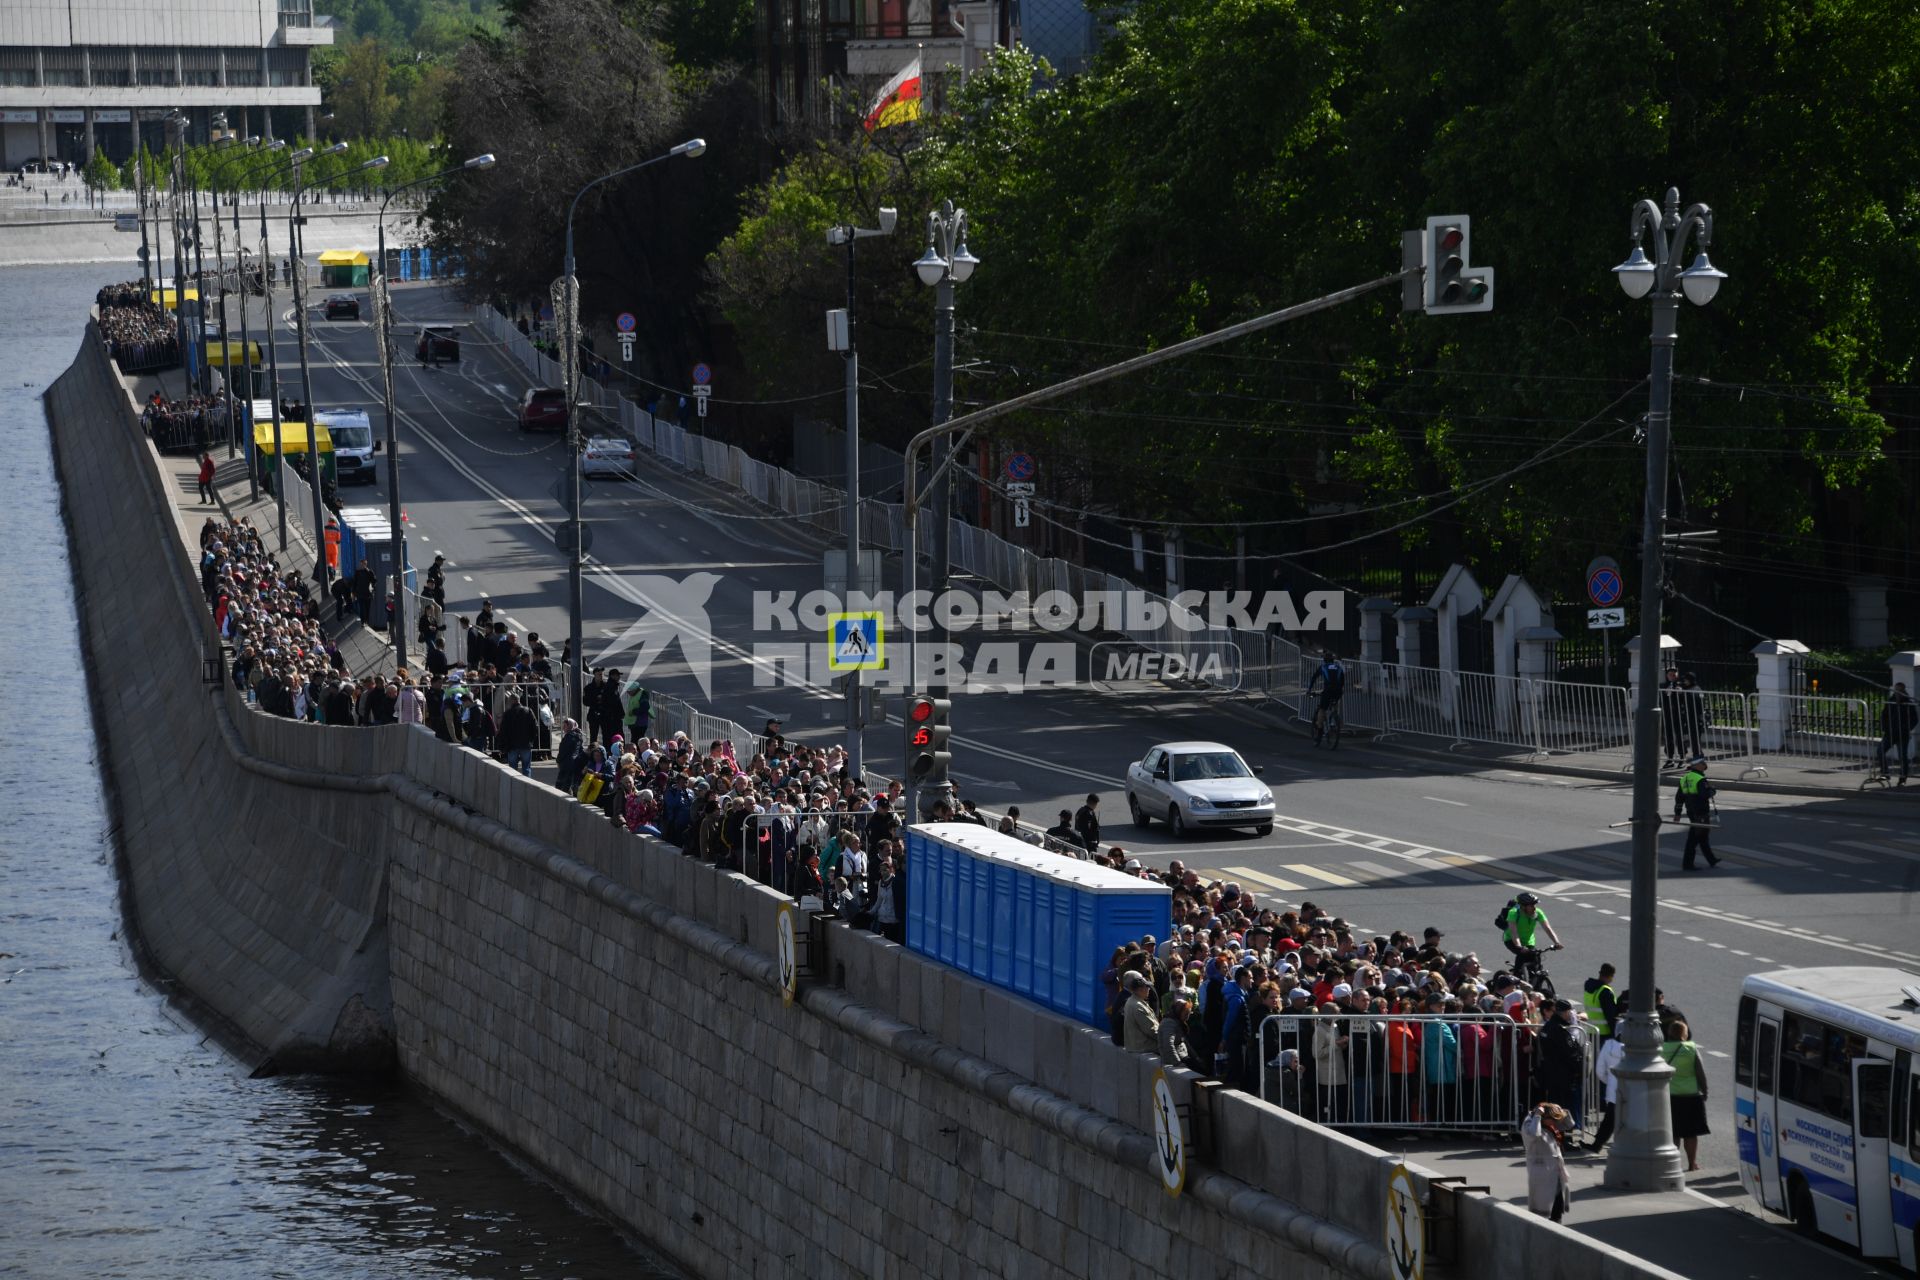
[(1694, 799), (1601, 1004)]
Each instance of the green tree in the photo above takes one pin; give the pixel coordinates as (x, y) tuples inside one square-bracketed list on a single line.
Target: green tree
[(101, 174), (363, 105)]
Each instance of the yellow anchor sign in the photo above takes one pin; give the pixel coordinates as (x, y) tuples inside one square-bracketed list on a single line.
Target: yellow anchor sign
[(1406, 1227)]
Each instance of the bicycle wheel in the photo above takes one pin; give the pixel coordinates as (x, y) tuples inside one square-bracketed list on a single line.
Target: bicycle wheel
[(1333, 730)]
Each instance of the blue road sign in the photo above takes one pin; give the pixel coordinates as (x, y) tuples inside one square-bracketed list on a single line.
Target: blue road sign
[(856, 642), (1020, 466), (1605, 586), (702, 375), (624, 322)]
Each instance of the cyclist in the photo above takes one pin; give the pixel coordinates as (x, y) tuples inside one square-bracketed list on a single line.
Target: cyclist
[(1332, 679), (1523, 924)]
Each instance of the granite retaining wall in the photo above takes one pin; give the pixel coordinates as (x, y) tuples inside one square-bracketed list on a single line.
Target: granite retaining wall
[(610, 1011)]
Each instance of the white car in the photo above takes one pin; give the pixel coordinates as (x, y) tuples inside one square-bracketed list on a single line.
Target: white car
[(1198, 784), (607, 456)]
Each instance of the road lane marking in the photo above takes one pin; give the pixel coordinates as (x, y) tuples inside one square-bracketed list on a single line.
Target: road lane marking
[(1887, 850), (1443, 800), (1773, 859)]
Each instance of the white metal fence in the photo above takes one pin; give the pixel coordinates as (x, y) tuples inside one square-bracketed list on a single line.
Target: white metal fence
[(1461, 1072)]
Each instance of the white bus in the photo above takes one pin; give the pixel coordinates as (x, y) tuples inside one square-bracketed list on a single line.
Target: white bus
[(1826, 1100)]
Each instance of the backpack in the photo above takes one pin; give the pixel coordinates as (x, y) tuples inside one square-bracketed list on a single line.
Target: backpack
[(1500, 921)]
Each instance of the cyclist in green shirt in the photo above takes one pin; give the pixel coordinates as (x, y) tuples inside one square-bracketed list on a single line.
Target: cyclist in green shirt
[(1524, 924)]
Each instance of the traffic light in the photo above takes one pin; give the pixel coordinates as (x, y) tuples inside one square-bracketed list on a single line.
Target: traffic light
[(1452, 285), (927, 734)]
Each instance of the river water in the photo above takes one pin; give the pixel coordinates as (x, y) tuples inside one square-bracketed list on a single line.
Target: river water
[(130, 1145)]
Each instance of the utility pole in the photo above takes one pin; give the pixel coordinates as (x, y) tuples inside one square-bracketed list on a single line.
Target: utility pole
[(842, 338)]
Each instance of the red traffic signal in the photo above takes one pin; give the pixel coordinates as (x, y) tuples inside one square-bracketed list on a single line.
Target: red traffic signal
[(921, 736), (920, 710)]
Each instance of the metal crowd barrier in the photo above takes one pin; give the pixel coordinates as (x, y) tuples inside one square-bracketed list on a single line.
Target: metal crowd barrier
[(1834, 733), (1427, 1073)]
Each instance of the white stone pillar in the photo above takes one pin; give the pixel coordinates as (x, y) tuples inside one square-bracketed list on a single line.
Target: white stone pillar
[(1669, 656), (1373, 629), (1407, 623), (1772, 683), (1533, 662)]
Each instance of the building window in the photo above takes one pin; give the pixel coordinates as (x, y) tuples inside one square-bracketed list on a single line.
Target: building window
[(19, 67), (64, 66), (243, 68), (287, 68), (200, 66), (110, 67), (296, 13), (157, 66)]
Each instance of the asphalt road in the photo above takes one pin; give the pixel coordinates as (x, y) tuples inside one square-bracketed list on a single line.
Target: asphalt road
[(1385, 838)]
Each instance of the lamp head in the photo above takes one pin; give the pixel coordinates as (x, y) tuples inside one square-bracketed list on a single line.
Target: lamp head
[(963, 263), (1701, 280), (888, 217), (1635, 274), (253, 140), (480, 162), (930, 266), (690, 148), (378, 162), (302, 155), (338, 148)]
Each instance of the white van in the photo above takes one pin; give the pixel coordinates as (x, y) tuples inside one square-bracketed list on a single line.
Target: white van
[(353, 444)]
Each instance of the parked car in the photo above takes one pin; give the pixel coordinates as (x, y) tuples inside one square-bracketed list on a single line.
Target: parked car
[(435, 345), (607, 456), (343, 306), (543, 409), (1198, 784)]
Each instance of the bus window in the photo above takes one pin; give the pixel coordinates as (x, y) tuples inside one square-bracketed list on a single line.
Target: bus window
[(1743, 1043), (1913, 1117), (1802, 1054), (1902, 1062), (1873, 1106), (1764, 1074)]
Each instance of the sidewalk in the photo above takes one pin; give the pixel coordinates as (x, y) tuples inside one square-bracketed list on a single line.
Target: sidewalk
[(1786, 775), (1712, 1230), (365, 649)]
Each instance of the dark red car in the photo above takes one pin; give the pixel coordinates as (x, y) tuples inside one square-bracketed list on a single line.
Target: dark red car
[(543, 409)]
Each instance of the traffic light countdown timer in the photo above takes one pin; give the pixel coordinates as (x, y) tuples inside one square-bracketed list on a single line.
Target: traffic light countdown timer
[(927, 734)]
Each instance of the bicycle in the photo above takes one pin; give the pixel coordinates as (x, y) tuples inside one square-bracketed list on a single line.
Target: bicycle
[(1327, 726), (1529, 968)]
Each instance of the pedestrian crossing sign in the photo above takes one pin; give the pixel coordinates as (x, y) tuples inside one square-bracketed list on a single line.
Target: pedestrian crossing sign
[(856, 642)]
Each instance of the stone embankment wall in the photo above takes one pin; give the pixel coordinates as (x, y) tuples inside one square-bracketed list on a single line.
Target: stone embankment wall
[(611, 1011)]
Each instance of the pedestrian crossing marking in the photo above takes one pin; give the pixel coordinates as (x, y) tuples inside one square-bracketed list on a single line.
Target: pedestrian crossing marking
[(1774, 859), (1376, 874), (1815, 851), (1315, 873), (1466, 865), (1888, 850), (1262, 878)]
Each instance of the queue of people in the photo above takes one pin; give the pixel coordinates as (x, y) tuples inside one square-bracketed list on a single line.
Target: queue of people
[(138, 332)]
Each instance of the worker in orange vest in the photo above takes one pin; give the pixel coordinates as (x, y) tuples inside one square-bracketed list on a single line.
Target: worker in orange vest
[(333, 546)]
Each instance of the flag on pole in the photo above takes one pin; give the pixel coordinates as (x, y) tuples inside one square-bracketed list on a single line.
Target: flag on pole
[(899, 99)]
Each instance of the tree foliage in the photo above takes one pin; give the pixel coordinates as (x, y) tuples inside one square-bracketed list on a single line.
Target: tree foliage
[(1222, 158)]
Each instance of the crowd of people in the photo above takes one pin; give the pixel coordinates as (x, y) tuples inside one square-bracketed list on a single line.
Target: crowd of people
[(270, 618), (139, 333), (191, 424)]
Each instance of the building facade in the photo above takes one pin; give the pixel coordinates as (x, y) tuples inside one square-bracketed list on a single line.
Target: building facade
[(807, 46), (81, 75)]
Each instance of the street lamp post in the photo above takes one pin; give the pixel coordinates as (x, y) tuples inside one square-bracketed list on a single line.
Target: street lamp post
[(205, 380), (850, 235), (176, 163), (946, 263), (570, 366), (1643, 1156), (290, 164), (383, 317), (220, 269), (246, 331), (298, 245)]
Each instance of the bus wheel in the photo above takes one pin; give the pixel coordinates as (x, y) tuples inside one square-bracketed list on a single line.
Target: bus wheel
[(1800, 1207)]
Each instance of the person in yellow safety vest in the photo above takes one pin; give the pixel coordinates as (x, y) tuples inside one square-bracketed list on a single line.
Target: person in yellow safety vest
[(1601, 1005), (1695, 800), (1687, 1091)]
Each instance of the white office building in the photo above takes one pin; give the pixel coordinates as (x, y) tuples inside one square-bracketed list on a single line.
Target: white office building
[(76, 75)]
